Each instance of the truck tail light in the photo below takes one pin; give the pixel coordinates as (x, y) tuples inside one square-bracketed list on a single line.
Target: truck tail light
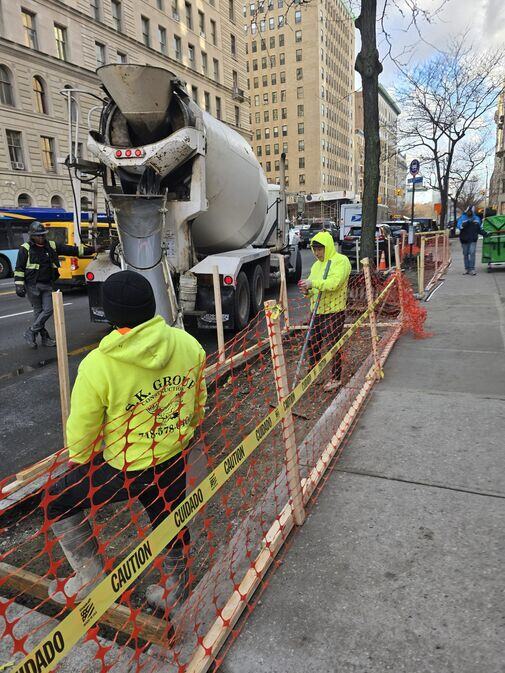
[(90, 275), (228, 280), (118, 153), (74, 263)]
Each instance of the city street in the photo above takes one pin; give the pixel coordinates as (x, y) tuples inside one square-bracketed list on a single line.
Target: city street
[(29, 391)]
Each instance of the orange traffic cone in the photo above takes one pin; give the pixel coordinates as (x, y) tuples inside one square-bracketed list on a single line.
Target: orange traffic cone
[(382, 263)]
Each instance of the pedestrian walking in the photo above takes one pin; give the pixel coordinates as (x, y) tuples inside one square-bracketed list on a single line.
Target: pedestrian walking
[(142, 393), (36, 271), (470, 226), (331, 281)]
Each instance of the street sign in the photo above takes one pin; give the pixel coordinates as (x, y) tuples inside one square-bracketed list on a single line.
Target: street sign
[(416, 180), (414, 167)]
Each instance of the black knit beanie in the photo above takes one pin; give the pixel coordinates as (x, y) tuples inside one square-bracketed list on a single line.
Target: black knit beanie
[(128, 299)]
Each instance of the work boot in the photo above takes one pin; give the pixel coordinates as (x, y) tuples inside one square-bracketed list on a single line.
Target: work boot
[(46, 339), (29, 336), (81, 550), (173, 588)]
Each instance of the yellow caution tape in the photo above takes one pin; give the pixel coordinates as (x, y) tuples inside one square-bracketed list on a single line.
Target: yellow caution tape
[(57, 644)]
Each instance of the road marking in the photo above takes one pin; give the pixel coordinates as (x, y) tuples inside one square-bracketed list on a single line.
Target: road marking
[(8, 292), (84, 349), (13, 315)]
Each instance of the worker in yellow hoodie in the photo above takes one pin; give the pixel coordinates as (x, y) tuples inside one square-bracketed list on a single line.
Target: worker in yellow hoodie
[(136, 403), (328, 276)]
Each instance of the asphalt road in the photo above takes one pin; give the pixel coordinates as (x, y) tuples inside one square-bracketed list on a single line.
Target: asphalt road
[(30, 416)]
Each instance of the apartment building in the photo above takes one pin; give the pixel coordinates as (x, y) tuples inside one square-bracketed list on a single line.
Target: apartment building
[(390, 178), (497, 184), (300, 69), (47, 46)]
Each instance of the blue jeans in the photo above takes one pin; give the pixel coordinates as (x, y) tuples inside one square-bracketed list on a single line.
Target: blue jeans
[(469, 255)]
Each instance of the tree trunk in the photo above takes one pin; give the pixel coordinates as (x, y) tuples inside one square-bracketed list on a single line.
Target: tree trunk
[(369, 67)]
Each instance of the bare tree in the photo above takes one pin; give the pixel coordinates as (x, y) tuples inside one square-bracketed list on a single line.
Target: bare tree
[(444, 100), (464, 183)]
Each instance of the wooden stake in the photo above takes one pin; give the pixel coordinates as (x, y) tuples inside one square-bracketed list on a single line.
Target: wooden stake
[(288, 426), (398, 272), (436, 253), (219, 313), (62, 353), (357, 254), (373, 324), (421, 267)]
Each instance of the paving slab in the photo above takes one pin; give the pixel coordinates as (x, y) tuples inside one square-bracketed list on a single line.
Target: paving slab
[(406, 579)]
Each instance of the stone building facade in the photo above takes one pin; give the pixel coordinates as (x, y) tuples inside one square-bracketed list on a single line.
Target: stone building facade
[(300, 65), (49, 45)]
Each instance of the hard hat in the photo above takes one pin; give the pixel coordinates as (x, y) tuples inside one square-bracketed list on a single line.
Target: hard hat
[(37, 229)]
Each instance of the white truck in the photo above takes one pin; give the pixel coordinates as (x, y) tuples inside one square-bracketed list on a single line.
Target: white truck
[(188, 194), (350, 216)]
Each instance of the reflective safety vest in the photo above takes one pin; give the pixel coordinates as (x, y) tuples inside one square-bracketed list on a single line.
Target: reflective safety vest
[(27, 268)]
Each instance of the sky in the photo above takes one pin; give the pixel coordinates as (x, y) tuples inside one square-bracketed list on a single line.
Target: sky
[(482, 20)]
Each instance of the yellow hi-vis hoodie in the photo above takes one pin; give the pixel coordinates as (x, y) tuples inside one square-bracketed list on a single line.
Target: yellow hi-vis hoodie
[(138, 397), (334, 286)]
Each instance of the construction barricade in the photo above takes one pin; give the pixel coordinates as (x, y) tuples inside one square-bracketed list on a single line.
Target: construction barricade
[(433, 259), (261, 450)]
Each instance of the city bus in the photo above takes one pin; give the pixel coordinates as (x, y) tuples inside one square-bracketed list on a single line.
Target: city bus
[(14, 224)]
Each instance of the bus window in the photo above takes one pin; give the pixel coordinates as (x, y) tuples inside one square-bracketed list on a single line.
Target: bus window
[(4, 236), (102, 235), (58, 235), (18, 233)]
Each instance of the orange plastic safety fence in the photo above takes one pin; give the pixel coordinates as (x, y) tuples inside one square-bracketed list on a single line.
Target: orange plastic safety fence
[(224, 500)]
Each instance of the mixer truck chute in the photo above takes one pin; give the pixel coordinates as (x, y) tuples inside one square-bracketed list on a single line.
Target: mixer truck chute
[(188, 193)]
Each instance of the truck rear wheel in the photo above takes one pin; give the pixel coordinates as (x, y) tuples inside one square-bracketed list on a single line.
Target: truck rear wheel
[(5, 269), (242, 302), (257, 290)]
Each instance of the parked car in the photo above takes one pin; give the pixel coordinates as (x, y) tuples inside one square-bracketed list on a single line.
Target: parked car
[(294, 236), (307, 233), (382, 234)]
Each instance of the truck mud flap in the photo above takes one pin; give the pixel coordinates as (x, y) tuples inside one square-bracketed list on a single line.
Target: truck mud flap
[(205, 302)]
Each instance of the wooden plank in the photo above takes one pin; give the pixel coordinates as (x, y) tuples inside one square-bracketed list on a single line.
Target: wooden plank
[(62, 353), (219, 313), (119, 617)]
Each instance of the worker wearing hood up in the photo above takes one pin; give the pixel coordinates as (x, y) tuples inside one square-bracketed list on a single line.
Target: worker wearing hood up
[(330, 317), (135, 405)]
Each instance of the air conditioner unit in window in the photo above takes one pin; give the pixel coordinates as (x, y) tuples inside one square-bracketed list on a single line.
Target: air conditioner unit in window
[(175, 16), (238, 94), (18, 166)]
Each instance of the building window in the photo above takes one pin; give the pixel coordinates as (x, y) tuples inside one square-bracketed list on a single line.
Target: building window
[(298, 55), (206, 99), (267, 150), (189, 15), (234, 77), (60, 36), (254, 47), (160, 5), (178, 47), (283, 77), (265, 98), (301, 128), (95, 9), (300, 110), (268, 166), (274, 96), (280, 21), (298, 16), (284, 130), (56, 201), (39, 92), (266, 115), (231, 10), (213, 31), (25, 200), (6, 95), (281, 40), (116, 15), (162, 36), (259, 151), (48, 155), (191, 56), (100, 54), (301, 178), (233, 45), (299, 74), (273, 79), (276, 131), (301, 162), (282, 58), (256, 82), (255, 64), (258, 134), (201, 23), (267, 134), (215, 65), (121, 58), (205, 62), (275, 115), (175, 10), (298, 35), (146, 31), (218, 107), (301, 145), (15, 150), (256, 101), (299, 92), (194, 93), (271, 23), (30, 29), (264, 62), (237, 115)]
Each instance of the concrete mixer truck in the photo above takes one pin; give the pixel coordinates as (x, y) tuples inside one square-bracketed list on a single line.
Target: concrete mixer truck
[(188, 194)]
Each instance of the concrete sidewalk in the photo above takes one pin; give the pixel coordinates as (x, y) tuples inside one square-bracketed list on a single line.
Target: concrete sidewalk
[(400, 565)]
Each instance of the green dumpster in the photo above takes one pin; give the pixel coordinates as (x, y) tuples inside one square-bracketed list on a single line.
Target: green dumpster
[(493, 245)]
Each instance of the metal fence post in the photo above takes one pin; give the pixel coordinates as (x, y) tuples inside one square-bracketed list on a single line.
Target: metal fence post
[(288, 425), (365, 263)]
